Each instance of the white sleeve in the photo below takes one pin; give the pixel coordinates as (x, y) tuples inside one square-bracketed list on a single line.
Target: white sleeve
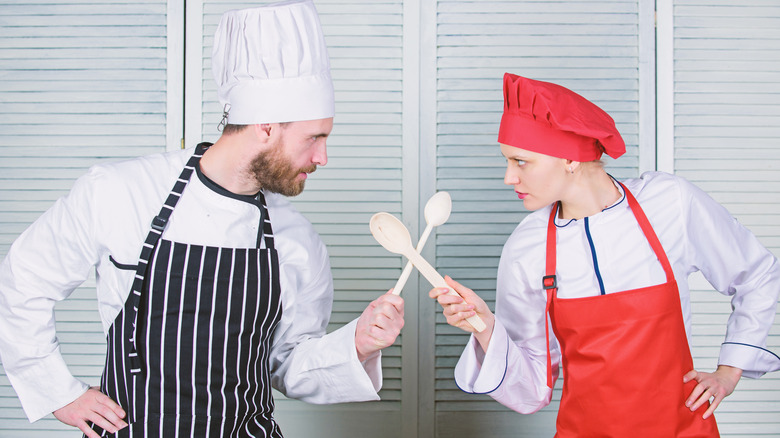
[(514, 369), (736, 264), (306, 363), (45, 264)]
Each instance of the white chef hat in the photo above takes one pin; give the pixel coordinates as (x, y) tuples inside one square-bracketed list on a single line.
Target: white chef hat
[(271, 65)]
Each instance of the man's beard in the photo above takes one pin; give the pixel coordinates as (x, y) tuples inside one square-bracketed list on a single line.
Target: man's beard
[(274, 173)]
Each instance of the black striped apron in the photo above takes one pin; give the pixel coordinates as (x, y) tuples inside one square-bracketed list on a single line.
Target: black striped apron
[(188, 354)]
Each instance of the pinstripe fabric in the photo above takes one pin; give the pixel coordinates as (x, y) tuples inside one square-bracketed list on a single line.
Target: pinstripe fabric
[(188, 355)]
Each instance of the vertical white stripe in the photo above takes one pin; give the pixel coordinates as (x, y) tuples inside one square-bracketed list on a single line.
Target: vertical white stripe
[(255, 335), (195, 332), (178, 334), (266, 383), (225, 342), (150, 279), (162, 334), (120, 335), (243, 319), (253, 366), (211, 341)]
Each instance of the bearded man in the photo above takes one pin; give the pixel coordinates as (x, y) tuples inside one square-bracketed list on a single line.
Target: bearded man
[(211, 287)]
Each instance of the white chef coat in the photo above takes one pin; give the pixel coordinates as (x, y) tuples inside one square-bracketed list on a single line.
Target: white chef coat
[(108, 214), (696, 232)]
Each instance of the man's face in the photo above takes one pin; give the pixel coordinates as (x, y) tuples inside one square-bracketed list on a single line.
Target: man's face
[(297, 151)]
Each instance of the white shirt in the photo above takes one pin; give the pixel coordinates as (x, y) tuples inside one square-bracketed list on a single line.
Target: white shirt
[(108, 214), (697, 234)]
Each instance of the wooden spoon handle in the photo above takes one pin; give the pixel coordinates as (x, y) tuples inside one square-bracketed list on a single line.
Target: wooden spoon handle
[(399, 285), (437, 280)]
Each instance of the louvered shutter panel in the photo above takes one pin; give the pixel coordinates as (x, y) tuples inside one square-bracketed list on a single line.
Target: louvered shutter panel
[(726, 131), (82, 83), (589, 47), (362, 177)]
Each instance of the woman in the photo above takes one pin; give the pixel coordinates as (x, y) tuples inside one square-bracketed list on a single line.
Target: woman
[(604, 265)]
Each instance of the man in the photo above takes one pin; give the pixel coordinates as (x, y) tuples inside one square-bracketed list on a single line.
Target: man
[(232, 290)]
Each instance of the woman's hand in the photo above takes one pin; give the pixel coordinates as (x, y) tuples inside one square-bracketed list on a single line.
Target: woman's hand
[(717, 385), (458, 308), (95, 407)]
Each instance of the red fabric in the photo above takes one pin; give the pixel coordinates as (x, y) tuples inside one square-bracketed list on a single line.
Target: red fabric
[(624, 356), (549, 119)]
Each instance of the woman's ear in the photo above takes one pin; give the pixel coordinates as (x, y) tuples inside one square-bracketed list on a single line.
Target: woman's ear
[(572, 165)]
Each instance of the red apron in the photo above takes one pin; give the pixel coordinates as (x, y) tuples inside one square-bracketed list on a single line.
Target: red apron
[(624, 356)]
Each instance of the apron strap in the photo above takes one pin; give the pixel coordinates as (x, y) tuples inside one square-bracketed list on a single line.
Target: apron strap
[(550, 285), (158, 225), (652, 238), (266, 231)]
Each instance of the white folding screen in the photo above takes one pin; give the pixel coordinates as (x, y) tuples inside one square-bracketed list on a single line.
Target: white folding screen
[(81, 83), (590, 47), (418, 101), (726, 133), (363, 176)]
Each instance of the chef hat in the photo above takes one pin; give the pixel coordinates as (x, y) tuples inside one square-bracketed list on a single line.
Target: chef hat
[(271, 65), (552, 120)]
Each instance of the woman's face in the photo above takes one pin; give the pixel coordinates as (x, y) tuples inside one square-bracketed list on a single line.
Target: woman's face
[(538, 179)]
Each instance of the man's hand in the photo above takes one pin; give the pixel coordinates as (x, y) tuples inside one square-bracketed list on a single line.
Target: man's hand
[(379, 325), (92, 406), (717, 385)]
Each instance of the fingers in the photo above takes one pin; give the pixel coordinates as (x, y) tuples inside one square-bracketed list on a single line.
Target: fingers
[(88, 432), (711, 386), (95, 407), (107, 414), (379, 325), (699, 396), (714, 405)]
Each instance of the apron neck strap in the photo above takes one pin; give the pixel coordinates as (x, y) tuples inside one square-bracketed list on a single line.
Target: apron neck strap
[(650, 235), (266, 231)]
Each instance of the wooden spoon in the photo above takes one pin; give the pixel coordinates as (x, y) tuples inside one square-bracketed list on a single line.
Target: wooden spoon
[(437, 211), (394, 237)]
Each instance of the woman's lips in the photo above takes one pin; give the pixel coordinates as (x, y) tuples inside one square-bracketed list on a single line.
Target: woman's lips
[(521, 195)]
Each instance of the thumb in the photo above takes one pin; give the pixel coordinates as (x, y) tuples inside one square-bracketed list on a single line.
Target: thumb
[(462, 290)]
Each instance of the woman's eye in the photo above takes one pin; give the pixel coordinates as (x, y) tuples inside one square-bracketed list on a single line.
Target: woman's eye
[(520, 162)]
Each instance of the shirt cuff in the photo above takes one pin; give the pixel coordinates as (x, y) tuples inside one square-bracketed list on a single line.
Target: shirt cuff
[(752, 360), (479, 372), (361, 381), (45, 386)]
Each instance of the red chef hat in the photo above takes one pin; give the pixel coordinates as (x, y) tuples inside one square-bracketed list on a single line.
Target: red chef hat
[(552, 120)]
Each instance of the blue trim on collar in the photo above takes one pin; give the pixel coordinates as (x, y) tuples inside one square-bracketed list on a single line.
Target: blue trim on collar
[(620, 189), (620, 201), (555, 219)]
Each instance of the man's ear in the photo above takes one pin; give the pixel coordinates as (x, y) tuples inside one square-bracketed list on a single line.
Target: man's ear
[(263, 131)]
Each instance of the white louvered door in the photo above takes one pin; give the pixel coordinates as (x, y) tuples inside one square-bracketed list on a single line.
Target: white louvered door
[(418, 101), (590, 47), (725, 135), (363, 176), (80, 83)]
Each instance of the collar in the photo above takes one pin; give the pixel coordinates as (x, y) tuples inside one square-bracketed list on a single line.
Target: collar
[(562, 223)]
